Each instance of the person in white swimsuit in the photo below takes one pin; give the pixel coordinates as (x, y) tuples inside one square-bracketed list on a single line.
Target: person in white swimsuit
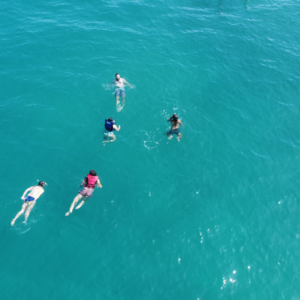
[(29, 200), (118, 82)]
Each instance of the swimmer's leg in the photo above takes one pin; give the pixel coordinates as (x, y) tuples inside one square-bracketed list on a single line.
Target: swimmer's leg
[(117, 98), (81, 203), (169, 133), (109, 139), (179, 137), (76, 199), (28, 210), (119, 107), (19, 214), (113, 138)]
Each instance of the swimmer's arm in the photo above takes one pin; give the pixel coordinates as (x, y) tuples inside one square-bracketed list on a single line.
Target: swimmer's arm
[(99, 183), (83, 181), (181, 123), (116, 127), (29, 189), (127, 83), (110, 84)]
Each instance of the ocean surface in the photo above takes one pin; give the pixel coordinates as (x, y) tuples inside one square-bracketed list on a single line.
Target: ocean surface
[(214, 216)]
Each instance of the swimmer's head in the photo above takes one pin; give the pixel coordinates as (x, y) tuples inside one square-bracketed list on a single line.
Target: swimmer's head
[(42, 183), (110, 119), (174, 118), (118, 76), (93, 173)]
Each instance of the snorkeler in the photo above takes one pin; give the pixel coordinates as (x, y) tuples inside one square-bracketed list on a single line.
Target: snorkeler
[(89, 184), (110, 127), (29, 200), (119, 90), (175, 122)]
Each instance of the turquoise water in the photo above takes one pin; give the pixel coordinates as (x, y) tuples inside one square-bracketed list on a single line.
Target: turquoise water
[(214, 216)]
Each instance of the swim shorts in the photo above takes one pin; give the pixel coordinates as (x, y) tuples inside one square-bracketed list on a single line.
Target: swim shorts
[(108, 133), (173, 131), (120, 92), (86, 192), (29, 199), (30, 202)]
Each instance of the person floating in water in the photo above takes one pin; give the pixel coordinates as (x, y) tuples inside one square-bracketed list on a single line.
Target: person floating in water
[(119, 90), (89, 184), (175, 122), (29, 200), (110, 127)]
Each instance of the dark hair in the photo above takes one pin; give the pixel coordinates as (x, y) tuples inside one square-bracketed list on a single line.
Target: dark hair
[(42, 183), (93, 173), (110, 119), (174, 118), (117, 74)]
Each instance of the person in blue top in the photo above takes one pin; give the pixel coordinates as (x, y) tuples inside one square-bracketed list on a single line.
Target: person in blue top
[(110, 127)]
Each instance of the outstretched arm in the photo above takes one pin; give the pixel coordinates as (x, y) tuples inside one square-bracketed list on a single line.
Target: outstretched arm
[(29, 189), (99, 183), (127, 83), (180, 123), (110, 84), (83, 181)]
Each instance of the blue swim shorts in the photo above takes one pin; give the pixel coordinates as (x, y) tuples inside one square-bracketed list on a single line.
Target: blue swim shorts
[(29, 199), (173, 131), (120, 92)]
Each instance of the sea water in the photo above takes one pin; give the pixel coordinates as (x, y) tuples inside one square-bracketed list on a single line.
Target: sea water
[(214, 216)]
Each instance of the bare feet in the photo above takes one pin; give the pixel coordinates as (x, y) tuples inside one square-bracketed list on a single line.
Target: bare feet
[(12, 223), (67, 213)]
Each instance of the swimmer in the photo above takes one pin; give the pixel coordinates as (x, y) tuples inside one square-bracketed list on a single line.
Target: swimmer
[(175, 122), (29, 200), (119, 90), (89, 184), (110, 127)]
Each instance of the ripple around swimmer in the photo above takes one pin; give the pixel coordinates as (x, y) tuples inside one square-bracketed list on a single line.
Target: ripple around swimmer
[(150, 145)]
